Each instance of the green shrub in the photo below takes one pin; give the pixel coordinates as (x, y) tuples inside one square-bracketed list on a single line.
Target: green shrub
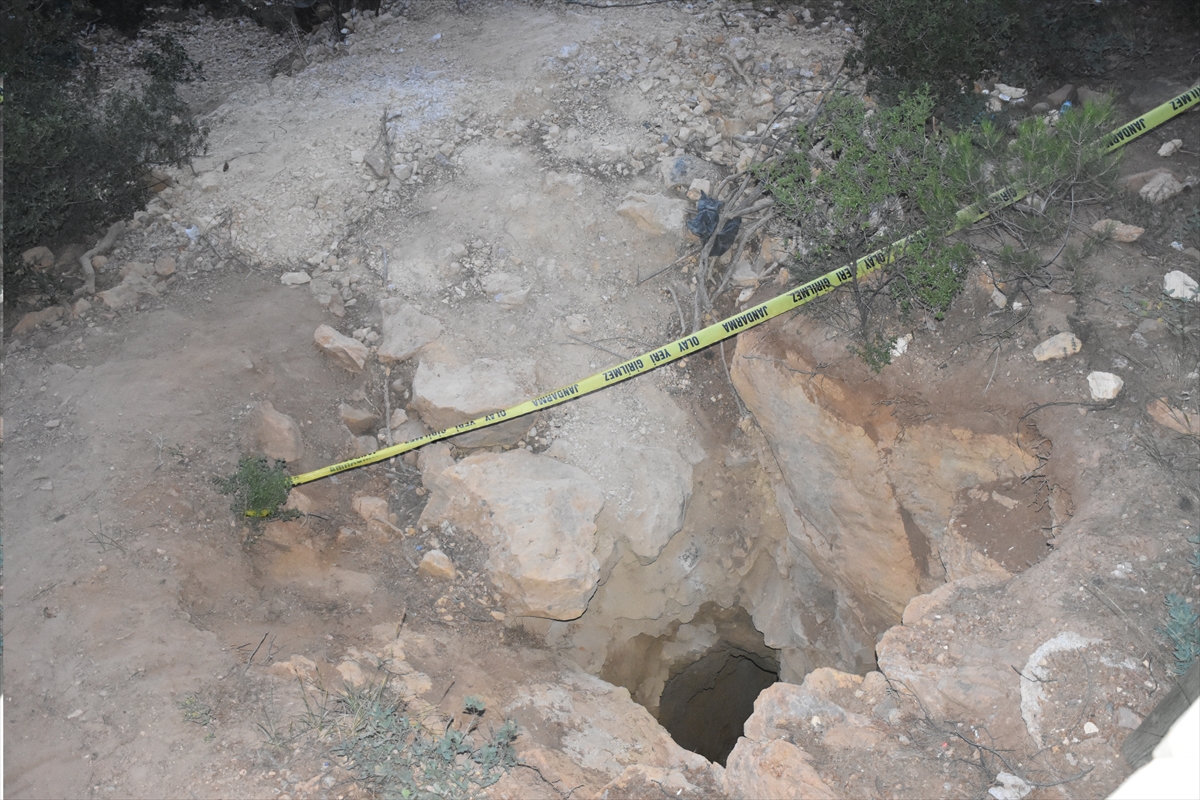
[(946, 45), (863, 176), (939, 44), (1183, 631), (399, 758), (259, 487), (73, 162)]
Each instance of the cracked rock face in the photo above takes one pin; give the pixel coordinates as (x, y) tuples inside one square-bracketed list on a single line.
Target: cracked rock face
[(446, 394), (537, 517)]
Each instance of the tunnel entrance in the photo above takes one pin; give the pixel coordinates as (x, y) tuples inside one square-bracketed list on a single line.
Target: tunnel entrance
[(700, 680), (705, 705)]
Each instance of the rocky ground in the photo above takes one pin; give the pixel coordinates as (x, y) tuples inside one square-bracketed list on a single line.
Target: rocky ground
[(955, 568)]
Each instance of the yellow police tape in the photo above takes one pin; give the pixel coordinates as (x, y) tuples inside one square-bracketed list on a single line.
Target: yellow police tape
[(727, 328)]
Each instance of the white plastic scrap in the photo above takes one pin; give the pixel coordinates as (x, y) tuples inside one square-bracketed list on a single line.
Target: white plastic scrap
[(1180, 286), (1010, 93), (1011, 787)]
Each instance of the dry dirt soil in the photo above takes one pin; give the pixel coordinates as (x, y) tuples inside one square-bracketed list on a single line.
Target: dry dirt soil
[(144, 622)]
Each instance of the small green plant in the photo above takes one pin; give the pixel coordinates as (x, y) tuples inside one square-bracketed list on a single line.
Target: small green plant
[(195, 710), (259, 487), (863, 176), (399, 757), (1183, 631)]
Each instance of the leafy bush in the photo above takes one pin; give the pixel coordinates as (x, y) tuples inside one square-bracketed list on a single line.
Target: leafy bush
[(947, 44), (259, 487), (399, 757), (939, 44), (1183, 630), (74, 162), (862, 177)]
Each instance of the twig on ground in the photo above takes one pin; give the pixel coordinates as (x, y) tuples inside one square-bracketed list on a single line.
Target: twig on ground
[(678, 308), (252, 655), (655, 274), (598, 347), (387, 403), (738, 69), (995, 353), (1104, 406), (621, 5)]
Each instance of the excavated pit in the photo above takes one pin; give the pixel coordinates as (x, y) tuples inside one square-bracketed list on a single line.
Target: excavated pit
[(705, 705), (701, 679)]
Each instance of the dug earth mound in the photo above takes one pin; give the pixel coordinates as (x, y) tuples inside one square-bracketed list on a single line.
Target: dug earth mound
[(762, 571)]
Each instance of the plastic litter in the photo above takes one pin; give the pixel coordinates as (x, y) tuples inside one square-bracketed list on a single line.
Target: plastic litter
[(704, 224)]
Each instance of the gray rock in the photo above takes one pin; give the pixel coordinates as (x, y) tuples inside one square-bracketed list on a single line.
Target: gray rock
[(1170, 148), (38, 257), (378, 164), (209, 182), (362, 446), (1160, 189), (347, 353), (682, 170), (660, 485), (1181, 286), (1127, 719), (405, 330), (1104, 385), (357, 420), (1061, 95), (275, 434), (1090, 97), (654, 213)]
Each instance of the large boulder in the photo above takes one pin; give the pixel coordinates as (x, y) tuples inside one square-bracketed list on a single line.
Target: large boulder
[(654, 213), (445, 394), (773, 758), (405, 330), (597, 723), (839, 505), (660, 483), (774, 768), (867, 501), (537, 517), (971, 680), (275, 434), (349, 354)]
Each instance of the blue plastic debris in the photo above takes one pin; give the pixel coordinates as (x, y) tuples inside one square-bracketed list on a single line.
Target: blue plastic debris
[(704, 224)]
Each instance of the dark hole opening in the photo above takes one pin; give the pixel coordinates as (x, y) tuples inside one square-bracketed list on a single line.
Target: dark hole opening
[(705, 705)]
